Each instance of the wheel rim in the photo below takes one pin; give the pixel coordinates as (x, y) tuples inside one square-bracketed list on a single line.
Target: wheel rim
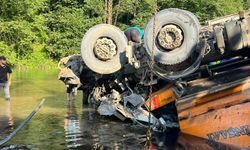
[(170, 37), (105, 49)]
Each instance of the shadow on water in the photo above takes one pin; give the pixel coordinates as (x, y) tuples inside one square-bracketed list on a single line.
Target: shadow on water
[(62, 124)]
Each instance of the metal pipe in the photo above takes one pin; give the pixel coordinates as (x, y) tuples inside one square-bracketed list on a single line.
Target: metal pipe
[(11, 135)]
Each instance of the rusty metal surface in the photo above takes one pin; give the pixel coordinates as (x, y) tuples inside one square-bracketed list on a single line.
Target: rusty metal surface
[(226, 125), (219, 114), (162, 97)]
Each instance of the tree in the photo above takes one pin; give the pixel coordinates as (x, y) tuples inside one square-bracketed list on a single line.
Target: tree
[(22, 26), (54, 28)]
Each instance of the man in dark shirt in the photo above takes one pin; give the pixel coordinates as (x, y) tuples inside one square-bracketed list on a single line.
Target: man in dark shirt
[(5, 77)]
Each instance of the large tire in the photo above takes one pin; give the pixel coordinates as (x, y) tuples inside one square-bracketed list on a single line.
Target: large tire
[(196, 20), (190, 68), (88, 43), (189, 25)]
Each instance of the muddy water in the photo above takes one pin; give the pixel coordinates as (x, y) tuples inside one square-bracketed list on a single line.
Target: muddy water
[(62, 124), (59, 124)]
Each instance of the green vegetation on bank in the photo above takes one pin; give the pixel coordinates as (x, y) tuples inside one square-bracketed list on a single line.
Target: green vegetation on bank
[(40, 32)]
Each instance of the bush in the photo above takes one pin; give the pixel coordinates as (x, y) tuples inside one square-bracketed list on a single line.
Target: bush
[(38, 32)]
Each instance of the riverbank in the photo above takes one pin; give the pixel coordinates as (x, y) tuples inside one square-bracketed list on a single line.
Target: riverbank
[(29, 65)]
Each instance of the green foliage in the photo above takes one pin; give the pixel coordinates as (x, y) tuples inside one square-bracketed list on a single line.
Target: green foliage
[(67, 24), (205, 9), (19, 36), (38, 32), (246, 4), (5, 50), (134, 12)]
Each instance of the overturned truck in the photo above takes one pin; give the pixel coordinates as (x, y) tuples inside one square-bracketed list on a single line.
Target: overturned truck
[(178, 63)]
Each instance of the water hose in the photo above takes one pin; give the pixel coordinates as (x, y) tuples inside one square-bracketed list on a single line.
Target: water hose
[(11, 135)]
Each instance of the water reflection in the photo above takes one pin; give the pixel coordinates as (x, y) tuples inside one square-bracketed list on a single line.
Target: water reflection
[(6, 118), (66, 125), (73, 134), (92, 131), (110, 133), (88, 130), (175, 140)]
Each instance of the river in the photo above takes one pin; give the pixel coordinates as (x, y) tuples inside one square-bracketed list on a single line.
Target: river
[(62, 124)]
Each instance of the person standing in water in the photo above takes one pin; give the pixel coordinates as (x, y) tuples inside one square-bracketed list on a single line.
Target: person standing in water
[(5, 77)]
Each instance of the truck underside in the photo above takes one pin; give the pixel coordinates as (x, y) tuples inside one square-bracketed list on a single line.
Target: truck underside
[(142, 82)]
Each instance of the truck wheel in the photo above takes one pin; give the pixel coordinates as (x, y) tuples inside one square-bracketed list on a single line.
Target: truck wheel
[(176, 37), (191, 65), (196, 20), (103, 49)]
